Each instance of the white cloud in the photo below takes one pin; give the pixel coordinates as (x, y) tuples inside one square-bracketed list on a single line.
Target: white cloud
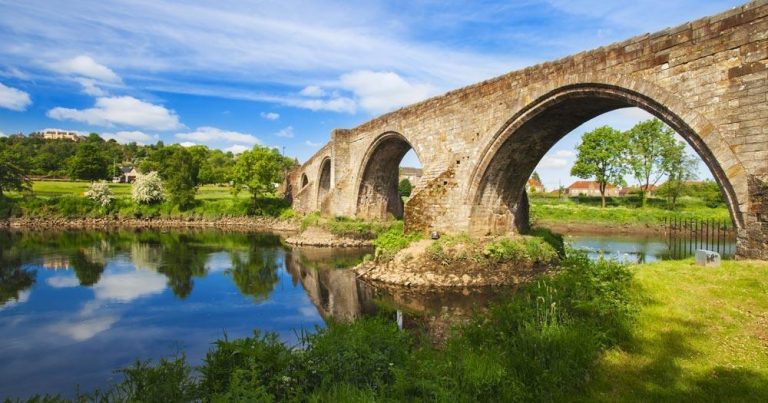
[(552, 162), (126, 287), (125, 137), (86, 328), (337, 104), (14, 99), (63, 281), (121, 111), (2, 134), (270, 115), (312, 91), (91, 87), (286, 132), (85, 66), (237, 149), (13, 72), (564, 153), (311, 144), (22, 298), (208, 134), (188, 144), (380, 92)]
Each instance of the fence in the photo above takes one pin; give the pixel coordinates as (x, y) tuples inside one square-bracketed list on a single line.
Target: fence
[(685, 236)]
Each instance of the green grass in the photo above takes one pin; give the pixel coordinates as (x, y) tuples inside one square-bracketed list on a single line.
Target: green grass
[(121, 190), (621, 212), (701, 335)]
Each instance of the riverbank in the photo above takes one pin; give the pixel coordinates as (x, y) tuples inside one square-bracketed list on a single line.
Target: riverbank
[(281, 225)]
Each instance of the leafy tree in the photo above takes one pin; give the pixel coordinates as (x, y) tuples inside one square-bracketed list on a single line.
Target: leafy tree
[(404, 188), (88, 163), (650, 152), (13, 170), (708, 191), (87, 272), (681, 170), (148, 189), (601, 155), (258, 171), (179, 173)]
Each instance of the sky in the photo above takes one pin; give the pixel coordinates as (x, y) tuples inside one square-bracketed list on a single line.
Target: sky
[(232, 74)]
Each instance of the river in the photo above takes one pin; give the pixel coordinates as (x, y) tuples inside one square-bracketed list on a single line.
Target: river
[(75, 306)]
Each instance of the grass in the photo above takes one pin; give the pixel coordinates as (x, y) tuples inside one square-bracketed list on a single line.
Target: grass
[(701, 335), (121, 190), (621, 212), (347, 227)]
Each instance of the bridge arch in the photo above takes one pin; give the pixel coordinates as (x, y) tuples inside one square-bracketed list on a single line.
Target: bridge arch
[(323, 183), (496, 189), (377, 192)]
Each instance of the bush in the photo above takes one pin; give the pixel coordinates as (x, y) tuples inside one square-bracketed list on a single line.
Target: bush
[(100, 193), (389, 242), (147, 189)]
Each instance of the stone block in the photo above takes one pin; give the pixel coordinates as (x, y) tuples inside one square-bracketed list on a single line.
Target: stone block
[(707, 258)]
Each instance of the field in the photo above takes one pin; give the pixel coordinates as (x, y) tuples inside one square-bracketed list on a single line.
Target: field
[(701, 335), (620, 211), (122, 190)]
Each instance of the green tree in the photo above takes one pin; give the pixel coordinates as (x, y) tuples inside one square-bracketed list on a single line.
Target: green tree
[(179, 173), (405, 188), (681, 170), (88, 163), (601, 155), (651, 146), (258, 171), (13, 170)]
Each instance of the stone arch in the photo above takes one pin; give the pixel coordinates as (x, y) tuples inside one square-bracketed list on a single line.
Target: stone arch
[(323, 182), (496, 190), (377, 196), (304, 180)]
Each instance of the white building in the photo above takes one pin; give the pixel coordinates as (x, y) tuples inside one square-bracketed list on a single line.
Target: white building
[(58, 134)]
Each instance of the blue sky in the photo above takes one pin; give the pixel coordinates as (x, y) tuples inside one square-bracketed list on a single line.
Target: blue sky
[(231, 74)]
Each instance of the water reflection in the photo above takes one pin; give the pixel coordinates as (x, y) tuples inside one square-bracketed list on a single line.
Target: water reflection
[(639, 248)]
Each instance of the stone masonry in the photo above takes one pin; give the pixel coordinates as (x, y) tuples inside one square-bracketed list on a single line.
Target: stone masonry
[(707, 79)]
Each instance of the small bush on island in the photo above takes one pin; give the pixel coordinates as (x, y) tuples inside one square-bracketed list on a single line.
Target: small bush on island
[(148, 189), (540, 345)]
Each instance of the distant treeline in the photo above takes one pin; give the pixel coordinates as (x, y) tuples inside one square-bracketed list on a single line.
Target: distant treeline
[(97, 159)]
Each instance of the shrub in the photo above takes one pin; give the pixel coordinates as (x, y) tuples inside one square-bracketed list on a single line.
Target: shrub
[(100, 193), (148, 189), (389, 242)]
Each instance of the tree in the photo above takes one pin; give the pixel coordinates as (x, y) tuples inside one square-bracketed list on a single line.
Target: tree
[(13, 171), (651, 144), (681, 169), (258, 171), (88, 163), (179, 173), (405, 188), (601, 155), (148, 189)]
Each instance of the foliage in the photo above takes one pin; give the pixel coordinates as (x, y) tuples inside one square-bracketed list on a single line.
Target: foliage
[(529, 250), (404, 188), (100, 193), (651, 149), (258, 171), (394, 239), (179, 174), (708, 191), (13, 170), (148, 189), (170, 381), (601, 154), (88, 163)]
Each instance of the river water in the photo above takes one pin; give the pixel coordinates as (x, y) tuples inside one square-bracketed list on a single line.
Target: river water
[(75, 306)]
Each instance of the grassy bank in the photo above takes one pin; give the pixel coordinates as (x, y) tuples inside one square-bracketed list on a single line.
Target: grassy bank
[(65, 199), (701, 335), (620, 211)]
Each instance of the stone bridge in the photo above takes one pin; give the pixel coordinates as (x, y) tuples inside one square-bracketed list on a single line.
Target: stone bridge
[(707, 79)]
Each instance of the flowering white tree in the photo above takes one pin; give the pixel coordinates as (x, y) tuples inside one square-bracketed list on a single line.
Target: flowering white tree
[(148, 189), (100, 193)]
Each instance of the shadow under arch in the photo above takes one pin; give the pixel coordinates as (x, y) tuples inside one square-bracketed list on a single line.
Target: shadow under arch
[(323, 184), (497, 187), (377, 193)]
